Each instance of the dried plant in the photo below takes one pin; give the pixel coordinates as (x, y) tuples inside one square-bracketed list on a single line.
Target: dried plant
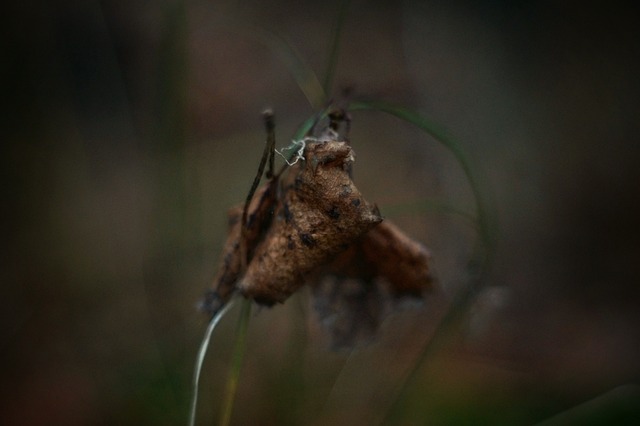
[(310, 224)]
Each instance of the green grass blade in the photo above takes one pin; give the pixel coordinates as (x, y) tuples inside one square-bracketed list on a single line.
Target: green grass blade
[(301, 72), (480, 261), (334, 47), (444, 331), (433, 206), (438, 133), (204, 346), (304, 76), (238, 355), (308, 124)]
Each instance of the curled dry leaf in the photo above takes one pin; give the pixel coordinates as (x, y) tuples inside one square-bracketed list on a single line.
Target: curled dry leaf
[(313, 225), (382, 270), (293, 226), (260, 214), (320, 214)]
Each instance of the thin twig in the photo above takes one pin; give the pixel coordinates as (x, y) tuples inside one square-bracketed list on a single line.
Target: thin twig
[(269, 148)]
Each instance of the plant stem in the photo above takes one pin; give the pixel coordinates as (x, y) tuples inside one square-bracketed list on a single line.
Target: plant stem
[(238, 355), (200, 359)]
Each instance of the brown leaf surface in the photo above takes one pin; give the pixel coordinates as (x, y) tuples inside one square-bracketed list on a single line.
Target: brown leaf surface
[(313, 225), (320, 214), (260, 214), (358, 288)]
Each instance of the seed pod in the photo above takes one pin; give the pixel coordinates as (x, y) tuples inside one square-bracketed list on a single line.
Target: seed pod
[(319, 214)]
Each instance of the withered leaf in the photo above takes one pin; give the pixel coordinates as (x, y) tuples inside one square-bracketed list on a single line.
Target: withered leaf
[(313, 225), (350, 309), (360, 286), (320, 213), (260, 215)]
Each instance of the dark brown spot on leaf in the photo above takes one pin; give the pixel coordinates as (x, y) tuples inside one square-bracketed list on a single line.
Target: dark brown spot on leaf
[(290, 243), (307, 240), (334, 212), (288, 217)]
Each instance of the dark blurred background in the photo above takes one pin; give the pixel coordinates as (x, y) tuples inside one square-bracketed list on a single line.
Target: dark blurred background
[(129, 128)]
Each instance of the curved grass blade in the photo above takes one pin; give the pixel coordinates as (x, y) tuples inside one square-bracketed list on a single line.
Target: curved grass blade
[(430, 206), (334, 47), (479, 263), (438, 133), (305, 77), (200, 358), (238, 355), (306, 127), (302, 73)]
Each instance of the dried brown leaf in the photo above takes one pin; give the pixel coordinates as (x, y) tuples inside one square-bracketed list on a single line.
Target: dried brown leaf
[(359, 287), (260, 214), (320, 213), (313, 225)]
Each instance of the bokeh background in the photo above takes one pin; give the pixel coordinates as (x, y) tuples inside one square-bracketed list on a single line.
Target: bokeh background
[(129, 128)]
